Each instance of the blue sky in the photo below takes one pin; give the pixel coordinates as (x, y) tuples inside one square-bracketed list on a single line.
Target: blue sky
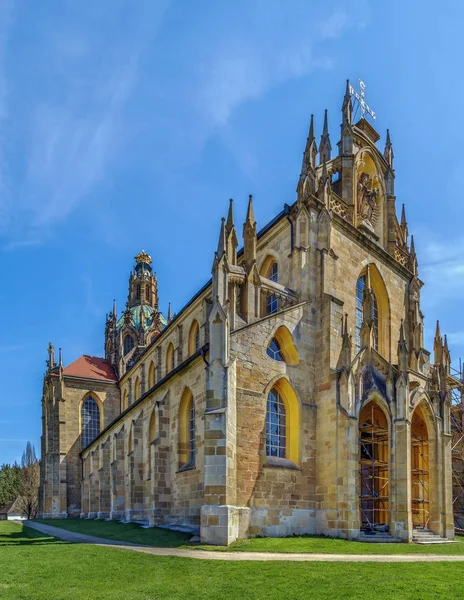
[(128, 125)]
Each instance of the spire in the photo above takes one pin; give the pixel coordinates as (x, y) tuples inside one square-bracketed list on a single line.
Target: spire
[(403, 217), (347, 107), (412, 263), (60, 360), (115, 313), (51, 364), (404, 225), (402, 350), (310, 153), (446, 353), (250, 218), (169, 313), (388, 152), (438, 346), (325, 147), (231, 236), (230, 217), (249, 236), (222, 243)]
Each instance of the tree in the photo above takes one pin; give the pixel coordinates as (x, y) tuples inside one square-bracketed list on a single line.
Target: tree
[(9, 483), (28, 501)]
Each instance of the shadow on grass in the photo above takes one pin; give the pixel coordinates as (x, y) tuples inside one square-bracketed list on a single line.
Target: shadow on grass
[(19, 538)]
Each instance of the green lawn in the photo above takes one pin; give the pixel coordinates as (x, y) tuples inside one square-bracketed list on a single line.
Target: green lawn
[(37, 567), (154, 536), (124, 532)]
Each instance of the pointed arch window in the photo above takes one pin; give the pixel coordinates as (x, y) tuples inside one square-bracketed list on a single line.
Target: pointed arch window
[(194, 338), (170, 359), (151, 375), (137, 389), (90, 421), (128, 344), (274, 350), (360, 287), (137, 292), (276, 425), (147, 293)]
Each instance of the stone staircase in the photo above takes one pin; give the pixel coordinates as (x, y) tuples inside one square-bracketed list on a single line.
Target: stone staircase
[(425, 536), (378, 537)]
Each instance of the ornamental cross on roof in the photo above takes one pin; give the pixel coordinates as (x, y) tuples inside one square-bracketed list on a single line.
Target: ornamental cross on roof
[(365, 108)]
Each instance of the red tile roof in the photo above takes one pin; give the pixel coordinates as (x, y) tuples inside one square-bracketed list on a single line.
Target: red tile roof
[(91, 367)]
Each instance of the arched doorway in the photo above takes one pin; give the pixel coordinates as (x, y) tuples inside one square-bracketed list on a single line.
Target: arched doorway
[(373, 469), (420, 473)]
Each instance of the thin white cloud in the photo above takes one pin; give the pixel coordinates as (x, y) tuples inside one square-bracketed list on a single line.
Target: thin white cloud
[(241, 68), (70, 149), (77, 125)]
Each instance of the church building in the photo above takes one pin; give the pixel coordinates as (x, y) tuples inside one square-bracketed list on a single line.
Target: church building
[(291, 395)]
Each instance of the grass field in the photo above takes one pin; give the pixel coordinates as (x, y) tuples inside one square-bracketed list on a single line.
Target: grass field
[(154, 536), (37, 567)]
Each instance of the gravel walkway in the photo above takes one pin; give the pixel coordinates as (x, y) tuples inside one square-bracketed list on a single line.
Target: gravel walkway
[(71, 536)]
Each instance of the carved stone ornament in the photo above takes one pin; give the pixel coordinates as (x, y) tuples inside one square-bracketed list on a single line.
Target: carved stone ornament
[(367, 194)]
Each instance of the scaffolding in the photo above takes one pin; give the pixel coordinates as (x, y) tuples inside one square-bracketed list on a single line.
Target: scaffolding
[(457, 448), (374, 470), (420, 481)]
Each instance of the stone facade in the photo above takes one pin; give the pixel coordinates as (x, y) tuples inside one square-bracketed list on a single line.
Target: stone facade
[(291, 395)]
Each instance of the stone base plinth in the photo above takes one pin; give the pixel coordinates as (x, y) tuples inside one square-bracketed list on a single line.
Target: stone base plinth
[(117, 515), (222, 525)]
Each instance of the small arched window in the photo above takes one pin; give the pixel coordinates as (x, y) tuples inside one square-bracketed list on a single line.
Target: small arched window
[(276, 425), (360, 287), (147, 293), (187, 430), (282, 348), (151, 375), (90, 421), (128, 344), (170, 359), (194, 338), (137, 291), (274, 351)]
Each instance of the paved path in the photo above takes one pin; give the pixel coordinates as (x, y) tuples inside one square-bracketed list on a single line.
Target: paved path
[(71, 536)]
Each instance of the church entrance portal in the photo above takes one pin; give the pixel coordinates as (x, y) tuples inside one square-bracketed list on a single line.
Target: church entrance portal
[(420, 485), (373, 468)]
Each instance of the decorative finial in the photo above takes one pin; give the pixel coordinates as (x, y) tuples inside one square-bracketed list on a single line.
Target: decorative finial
[(230, 216), (143, 257), (250, 218)]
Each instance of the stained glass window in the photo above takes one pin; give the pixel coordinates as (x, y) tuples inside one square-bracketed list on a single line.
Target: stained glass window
[(275, 425), (274, 351), (197, 339), (271, 301), (90, 421)]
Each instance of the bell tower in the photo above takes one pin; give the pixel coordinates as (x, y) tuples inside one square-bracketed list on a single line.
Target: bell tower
[(128, 335), (143, 285)]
